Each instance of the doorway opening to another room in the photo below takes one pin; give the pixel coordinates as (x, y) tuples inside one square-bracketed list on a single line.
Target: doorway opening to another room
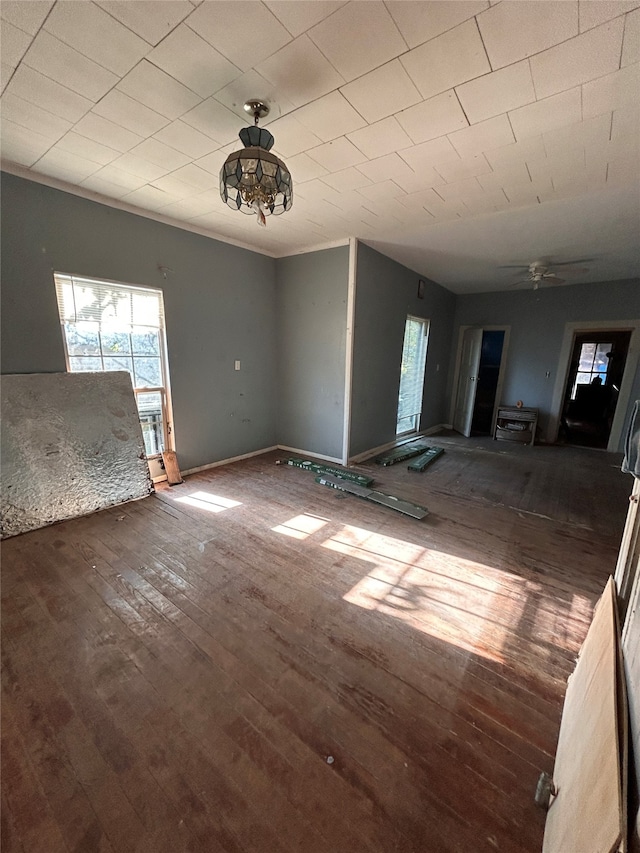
[(414, 360), (597, 365), (479, 375)]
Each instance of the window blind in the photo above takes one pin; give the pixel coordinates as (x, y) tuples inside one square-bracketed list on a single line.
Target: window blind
[(414, 352), (114, 306)]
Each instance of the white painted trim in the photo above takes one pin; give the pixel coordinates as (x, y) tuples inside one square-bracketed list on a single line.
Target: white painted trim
[(309, 453), (348, 367), (360, 457), (229, 461), (562, 374), (332, 244), (501, 373)]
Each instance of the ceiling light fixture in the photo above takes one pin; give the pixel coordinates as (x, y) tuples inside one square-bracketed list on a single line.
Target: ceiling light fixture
[(253, 180)]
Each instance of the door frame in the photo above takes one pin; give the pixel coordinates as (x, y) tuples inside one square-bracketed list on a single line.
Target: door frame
[(564, 364), (501, 372)]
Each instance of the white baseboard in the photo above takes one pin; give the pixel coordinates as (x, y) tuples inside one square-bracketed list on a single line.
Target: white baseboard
[(309, 453), (360, 457), (228, 461)]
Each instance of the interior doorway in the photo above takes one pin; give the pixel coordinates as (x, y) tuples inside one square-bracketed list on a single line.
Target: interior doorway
[(594, 379), (479, 374)]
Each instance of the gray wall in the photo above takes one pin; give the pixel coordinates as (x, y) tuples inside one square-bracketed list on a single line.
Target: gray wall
[(219, 302), (537, 319), (386, 292), (312, 316)]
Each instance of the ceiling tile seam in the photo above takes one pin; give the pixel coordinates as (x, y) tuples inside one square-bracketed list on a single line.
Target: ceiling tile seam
[(513, 133), (393, 21), (624, 32), (127, 27), (33, 38), (533, 82), (175, 80), (464, 112), (484, 47), (86, 55)]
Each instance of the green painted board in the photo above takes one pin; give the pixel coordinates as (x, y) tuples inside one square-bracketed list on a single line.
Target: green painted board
[(399, 454), (360, 479), (425, 459), (405, 507)]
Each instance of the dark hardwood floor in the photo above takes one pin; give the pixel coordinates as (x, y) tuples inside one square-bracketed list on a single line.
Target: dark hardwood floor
[(254, 662)]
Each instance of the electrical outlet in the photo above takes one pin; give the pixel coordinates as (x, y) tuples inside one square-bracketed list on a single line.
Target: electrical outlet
[(236, 364)]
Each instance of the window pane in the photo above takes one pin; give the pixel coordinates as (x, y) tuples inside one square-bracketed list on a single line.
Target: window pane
[(82, 338), (114, 343), (583, 379), (147, 372), (601, 363), (587, 354), (85, 365), (150, 410), (145, 341), (119, 364)]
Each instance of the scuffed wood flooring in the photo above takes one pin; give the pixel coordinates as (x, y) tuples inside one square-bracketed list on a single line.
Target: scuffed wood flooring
[(178, 671)]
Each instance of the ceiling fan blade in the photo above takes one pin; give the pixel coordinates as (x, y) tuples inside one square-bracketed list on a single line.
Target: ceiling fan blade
[(576, 270), (522, 281), (514, 267), (570, 263), (554, 278)]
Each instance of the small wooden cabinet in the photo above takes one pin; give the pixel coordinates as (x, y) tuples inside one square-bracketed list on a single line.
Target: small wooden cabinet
[(514, 424)]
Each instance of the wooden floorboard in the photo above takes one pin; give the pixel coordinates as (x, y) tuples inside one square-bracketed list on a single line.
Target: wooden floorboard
[(178, 670)]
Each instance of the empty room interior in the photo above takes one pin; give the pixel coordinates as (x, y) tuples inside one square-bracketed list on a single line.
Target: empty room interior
[(320, 431)]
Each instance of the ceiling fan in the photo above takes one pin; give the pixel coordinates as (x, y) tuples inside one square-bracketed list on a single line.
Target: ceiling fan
[(539, 272)]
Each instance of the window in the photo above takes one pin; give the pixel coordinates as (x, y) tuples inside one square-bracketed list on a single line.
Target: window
[(592, 365), (110, 326), (414, 359)]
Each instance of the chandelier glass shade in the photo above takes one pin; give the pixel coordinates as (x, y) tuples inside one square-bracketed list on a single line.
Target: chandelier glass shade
[(253, 180)]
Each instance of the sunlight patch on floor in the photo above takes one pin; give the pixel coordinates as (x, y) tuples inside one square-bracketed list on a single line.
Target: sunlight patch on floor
[(301, 526), (208, 502)]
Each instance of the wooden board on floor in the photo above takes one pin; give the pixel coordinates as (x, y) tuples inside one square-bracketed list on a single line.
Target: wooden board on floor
[(170, 462), (588, 813)]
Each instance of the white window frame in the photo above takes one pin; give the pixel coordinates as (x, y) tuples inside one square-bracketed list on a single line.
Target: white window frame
[(415, 416), (163, 390)]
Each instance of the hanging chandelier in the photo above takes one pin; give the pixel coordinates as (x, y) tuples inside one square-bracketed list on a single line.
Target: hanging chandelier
[(253, 180)]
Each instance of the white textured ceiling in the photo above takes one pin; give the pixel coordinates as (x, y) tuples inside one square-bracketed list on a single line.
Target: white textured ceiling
[(456, 136)]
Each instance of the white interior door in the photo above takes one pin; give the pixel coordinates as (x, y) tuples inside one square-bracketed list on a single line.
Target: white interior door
[(467, 380)]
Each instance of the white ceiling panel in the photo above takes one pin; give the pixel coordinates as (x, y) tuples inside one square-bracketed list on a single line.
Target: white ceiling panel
[(420, 22), (299, 17), (330, 117), (498, 92), (62, 63), (557, 111), (596, 12), (516, 30), (246, 33), (14, 43), (613, 92), (467, 167), (95, 34), (87, 149), (28, 17), (129, 113), (380, 138), (150, 19), (377, 41), (337, 154), (382, 92), (150, 86), (631, 45), (30, 116), (34, 87), (160, 155), (584, 58), (435, 117), (492, 133), (186, 139), (21, 145), (214, 120), (193, 61), (291, 137), (65, 166), (102, 130), (448, 60), (300, 72), (427, 118)]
